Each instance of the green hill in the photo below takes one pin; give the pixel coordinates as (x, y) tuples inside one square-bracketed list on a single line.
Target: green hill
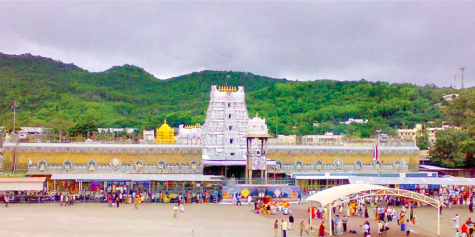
[(53, 94)]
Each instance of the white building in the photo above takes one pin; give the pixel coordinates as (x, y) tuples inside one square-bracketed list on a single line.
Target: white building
[(189, 134), (352, 120), (148, 136), (31, 130), (117, 130), (327, 139), (450, 97), (222, 135)]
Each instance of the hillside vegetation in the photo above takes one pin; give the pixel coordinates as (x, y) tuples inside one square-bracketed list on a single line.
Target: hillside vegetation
[(60, 96)]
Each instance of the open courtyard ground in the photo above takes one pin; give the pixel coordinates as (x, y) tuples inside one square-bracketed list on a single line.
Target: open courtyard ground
[(205, 220)]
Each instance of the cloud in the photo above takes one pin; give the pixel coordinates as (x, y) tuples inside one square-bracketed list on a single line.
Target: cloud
[(414, 42)]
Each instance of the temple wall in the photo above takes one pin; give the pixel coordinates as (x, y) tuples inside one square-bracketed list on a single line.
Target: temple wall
[(290, 157)]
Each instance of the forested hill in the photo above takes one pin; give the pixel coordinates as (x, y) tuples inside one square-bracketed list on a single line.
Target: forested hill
[(57, 95)]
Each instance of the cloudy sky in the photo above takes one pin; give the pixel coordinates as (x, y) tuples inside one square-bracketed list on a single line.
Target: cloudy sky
[(415, 42)]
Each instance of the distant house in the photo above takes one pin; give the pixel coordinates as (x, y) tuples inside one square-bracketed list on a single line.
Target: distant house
[(411, 134), (450, 97), (112, 130), (352, 120), (148, 136)]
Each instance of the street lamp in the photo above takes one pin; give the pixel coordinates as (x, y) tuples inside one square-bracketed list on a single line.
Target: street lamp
[(14, 107), (378, 131), (377, 152)]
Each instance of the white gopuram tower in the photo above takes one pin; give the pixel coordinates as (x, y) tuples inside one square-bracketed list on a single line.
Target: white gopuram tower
[(223, 133)]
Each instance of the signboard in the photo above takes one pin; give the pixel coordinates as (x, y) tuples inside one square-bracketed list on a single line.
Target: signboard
[(258, 163)]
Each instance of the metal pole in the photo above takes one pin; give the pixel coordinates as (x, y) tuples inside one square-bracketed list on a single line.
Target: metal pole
[(330, 218), (438, 218), (310, 213)]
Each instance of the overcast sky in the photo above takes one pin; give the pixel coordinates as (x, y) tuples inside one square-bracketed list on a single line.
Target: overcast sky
[(415, 42)]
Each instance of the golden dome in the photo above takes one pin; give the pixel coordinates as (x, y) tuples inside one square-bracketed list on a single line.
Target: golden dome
[(165, 134)]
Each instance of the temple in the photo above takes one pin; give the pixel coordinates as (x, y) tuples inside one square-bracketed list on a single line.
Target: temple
[(165, 134), (189, 134), (223, 142)]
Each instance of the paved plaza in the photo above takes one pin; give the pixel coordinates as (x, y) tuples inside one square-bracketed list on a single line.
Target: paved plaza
[(205, 220)]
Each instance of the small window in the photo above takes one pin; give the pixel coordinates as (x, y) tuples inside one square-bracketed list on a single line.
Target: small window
[(231, 141), (232, 153), (230, 128), (229, 104), (229, 116)]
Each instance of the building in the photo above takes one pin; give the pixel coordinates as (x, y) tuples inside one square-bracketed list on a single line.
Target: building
[(352, 120), (165, 134), (327, 139), (148, 136), (223, 142), (411, 134), (450, 97), (117, 130), (283, 140), (189, 134)]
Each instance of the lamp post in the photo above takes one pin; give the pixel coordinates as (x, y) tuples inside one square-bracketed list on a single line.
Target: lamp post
[(14, 107), (378, 131)]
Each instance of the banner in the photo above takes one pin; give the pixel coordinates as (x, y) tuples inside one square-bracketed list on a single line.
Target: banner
[(272, 191)]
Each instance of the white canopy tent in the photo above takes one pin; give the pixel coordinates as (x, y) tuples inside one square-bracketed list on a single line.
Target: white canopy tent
[(345, 193), (22, 183)]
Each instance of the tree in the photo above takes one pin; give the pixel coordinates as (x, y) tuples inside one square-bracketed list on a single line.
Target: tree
[(461, 111), (448, 149), (83, 128), (422, 138)]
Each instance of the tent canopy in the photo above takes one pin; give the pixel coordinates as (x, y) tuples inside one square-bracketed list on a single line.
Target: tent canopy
[(329, 195), (401, 180), (22, 184)]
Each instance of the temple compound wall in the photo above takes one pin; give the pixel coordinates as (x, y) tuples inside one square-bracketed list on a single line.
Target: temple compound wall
[(46, 158)]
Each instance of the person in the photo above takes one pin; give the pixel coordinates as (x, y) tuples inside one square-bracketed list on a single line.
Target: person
[(470, 227), (366, 215), (7, 200), (175, 210), (182, 206), (339, 227), (321, 230), (414, 219), (276, 227), (457, 221), (302, 227), (249, 200), (470, 206), (291, 221), (408, 228), (117, 201), (464, 230), (66, 200), (299, 198), (284, 228), (238, 200), (136, 203), (366, 228), (385, 228), (345, 222), (457, 234), (110, 200), (380, 229)]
